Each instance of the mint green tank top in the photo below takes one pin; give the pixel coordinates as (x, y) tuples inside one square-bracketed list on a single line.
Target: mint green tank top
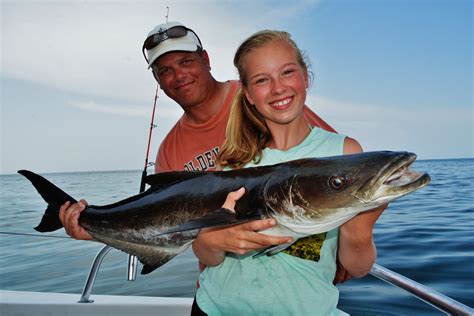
[(281, 284)]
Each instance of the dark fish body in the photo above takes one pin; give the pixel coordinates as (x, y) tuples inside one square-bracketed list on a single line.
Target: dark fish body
[(306, 196)]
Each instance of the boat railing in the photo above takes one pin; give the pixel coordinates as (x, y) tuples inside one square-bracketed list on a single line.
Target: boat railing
[(424, 293), (86, 292)]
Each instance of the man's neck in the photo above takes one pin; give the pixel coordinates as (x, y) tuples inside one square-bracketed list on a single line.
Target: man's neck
[(210, 106)]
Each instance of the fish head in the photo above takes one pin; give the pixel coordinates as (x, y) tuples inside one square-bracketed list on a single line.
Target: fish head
[(391, 177), (359, 181), (314, 195)]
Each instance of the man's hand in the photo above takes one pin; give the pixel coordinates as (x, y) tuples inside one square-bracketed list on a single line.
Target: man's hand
[(69, 217)]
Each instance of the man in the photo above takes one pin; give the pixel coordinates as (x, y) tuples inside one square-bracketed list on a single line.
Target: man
[(182, 68)]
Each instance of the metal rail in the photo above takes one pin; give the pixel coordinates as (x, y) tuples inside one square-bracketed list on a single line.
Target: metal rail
[(132, 268), (86, 292), (424, 293)]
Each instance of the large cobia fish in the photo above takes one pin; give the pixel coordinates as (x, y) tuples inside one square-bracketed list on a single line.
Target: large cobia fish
[(306, 197)]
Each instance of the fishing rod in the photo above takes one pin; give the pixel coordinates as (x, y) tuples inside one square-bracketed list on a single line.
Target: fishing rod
[(152, 126), (132, 260)]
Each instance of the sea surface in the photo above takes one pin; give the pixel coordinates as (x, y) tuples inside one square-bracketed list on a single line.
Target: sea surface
[(427, 236)]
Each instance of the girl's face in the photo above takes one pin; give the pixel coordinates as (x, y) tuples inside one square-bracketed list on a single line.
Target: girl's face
[(276, 83)]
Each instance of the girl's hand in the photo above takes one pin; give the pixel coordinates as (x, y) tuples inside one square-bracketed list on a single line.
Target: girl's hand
[(212, 244)]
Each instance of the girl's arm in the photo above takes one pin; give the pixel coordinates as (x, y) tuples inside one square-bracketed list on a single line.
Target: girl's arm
[(357, 252)]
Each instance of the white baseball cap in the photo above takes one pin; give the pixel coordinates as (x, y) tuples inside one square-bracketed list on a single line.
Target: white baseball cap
[(170, 36)]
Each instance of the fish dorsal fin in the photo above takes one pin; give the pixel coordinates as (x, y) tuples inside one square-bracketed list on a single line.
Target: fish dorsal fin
[(164, 179)]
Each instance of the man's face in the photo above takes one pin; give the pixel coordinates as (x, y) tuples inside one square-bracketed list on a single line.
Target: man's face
[(184, 76)]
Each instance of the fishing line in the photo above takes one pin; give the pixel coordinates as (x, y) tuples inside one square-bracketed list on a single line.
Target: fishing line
[(34, 235)]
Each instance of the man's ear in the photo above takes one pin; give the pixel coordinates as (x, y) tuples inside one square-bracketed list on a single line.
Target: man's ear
[(205, 58), (155, 75)]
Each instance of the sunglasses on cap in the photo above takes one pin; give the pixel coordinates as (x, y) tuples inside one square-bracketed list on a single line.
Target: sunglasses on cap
[(173, 32)]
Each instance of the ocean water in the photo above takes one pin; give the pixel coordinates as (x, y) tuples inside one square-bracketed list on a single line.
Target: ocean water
[(427, 236)]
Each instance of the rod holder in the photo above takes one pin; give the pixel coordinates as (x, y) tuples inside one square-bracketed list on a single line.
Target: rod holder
[(132, 268)]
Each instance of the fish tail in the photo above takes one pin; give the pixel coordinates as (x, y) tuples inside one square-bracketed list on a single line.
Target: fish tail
[(54, 196)]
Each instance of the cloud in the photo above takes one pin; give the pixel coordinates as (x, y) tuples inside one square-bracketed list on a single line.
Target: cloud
[(164, 111), (109, 109), (95, 47)]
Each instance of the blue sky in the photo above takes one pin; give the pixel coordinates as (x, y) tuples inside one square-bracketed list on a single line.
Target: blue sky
[(76, 94)]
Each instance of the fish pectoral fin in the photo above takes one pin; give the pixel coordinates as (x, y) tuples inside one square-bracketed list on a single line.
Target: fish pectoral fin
[(272, 250), (159, 259), (220, 217), (149, 268)]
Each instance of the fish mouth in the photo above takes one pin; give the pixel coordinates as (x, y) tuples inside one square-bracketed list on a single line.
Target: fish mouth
[(395, 180)]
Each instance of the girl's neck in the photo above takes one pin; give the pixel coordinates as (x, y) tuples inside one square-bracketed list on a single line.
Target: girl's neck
[(288, 135)]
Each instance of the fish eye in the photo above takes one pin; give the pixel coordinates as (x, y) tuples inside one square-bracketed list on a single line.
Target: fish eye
[(337, 182)]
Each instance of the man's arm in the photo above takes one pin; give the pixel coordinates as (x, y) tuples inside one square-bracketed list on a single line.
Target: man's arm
[(161, 161)]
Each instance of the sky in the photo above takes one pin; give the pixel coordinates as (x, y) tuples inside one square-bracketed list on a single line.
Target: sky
[(76, 94)]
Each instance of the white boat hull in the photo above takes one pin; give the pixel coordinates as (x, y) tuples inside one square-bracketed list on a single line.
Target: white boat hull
[(16, 303)]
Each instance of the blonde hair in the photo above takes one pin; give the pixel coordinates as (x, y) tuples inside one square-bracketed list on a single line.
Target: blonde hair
[(247, 133)]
